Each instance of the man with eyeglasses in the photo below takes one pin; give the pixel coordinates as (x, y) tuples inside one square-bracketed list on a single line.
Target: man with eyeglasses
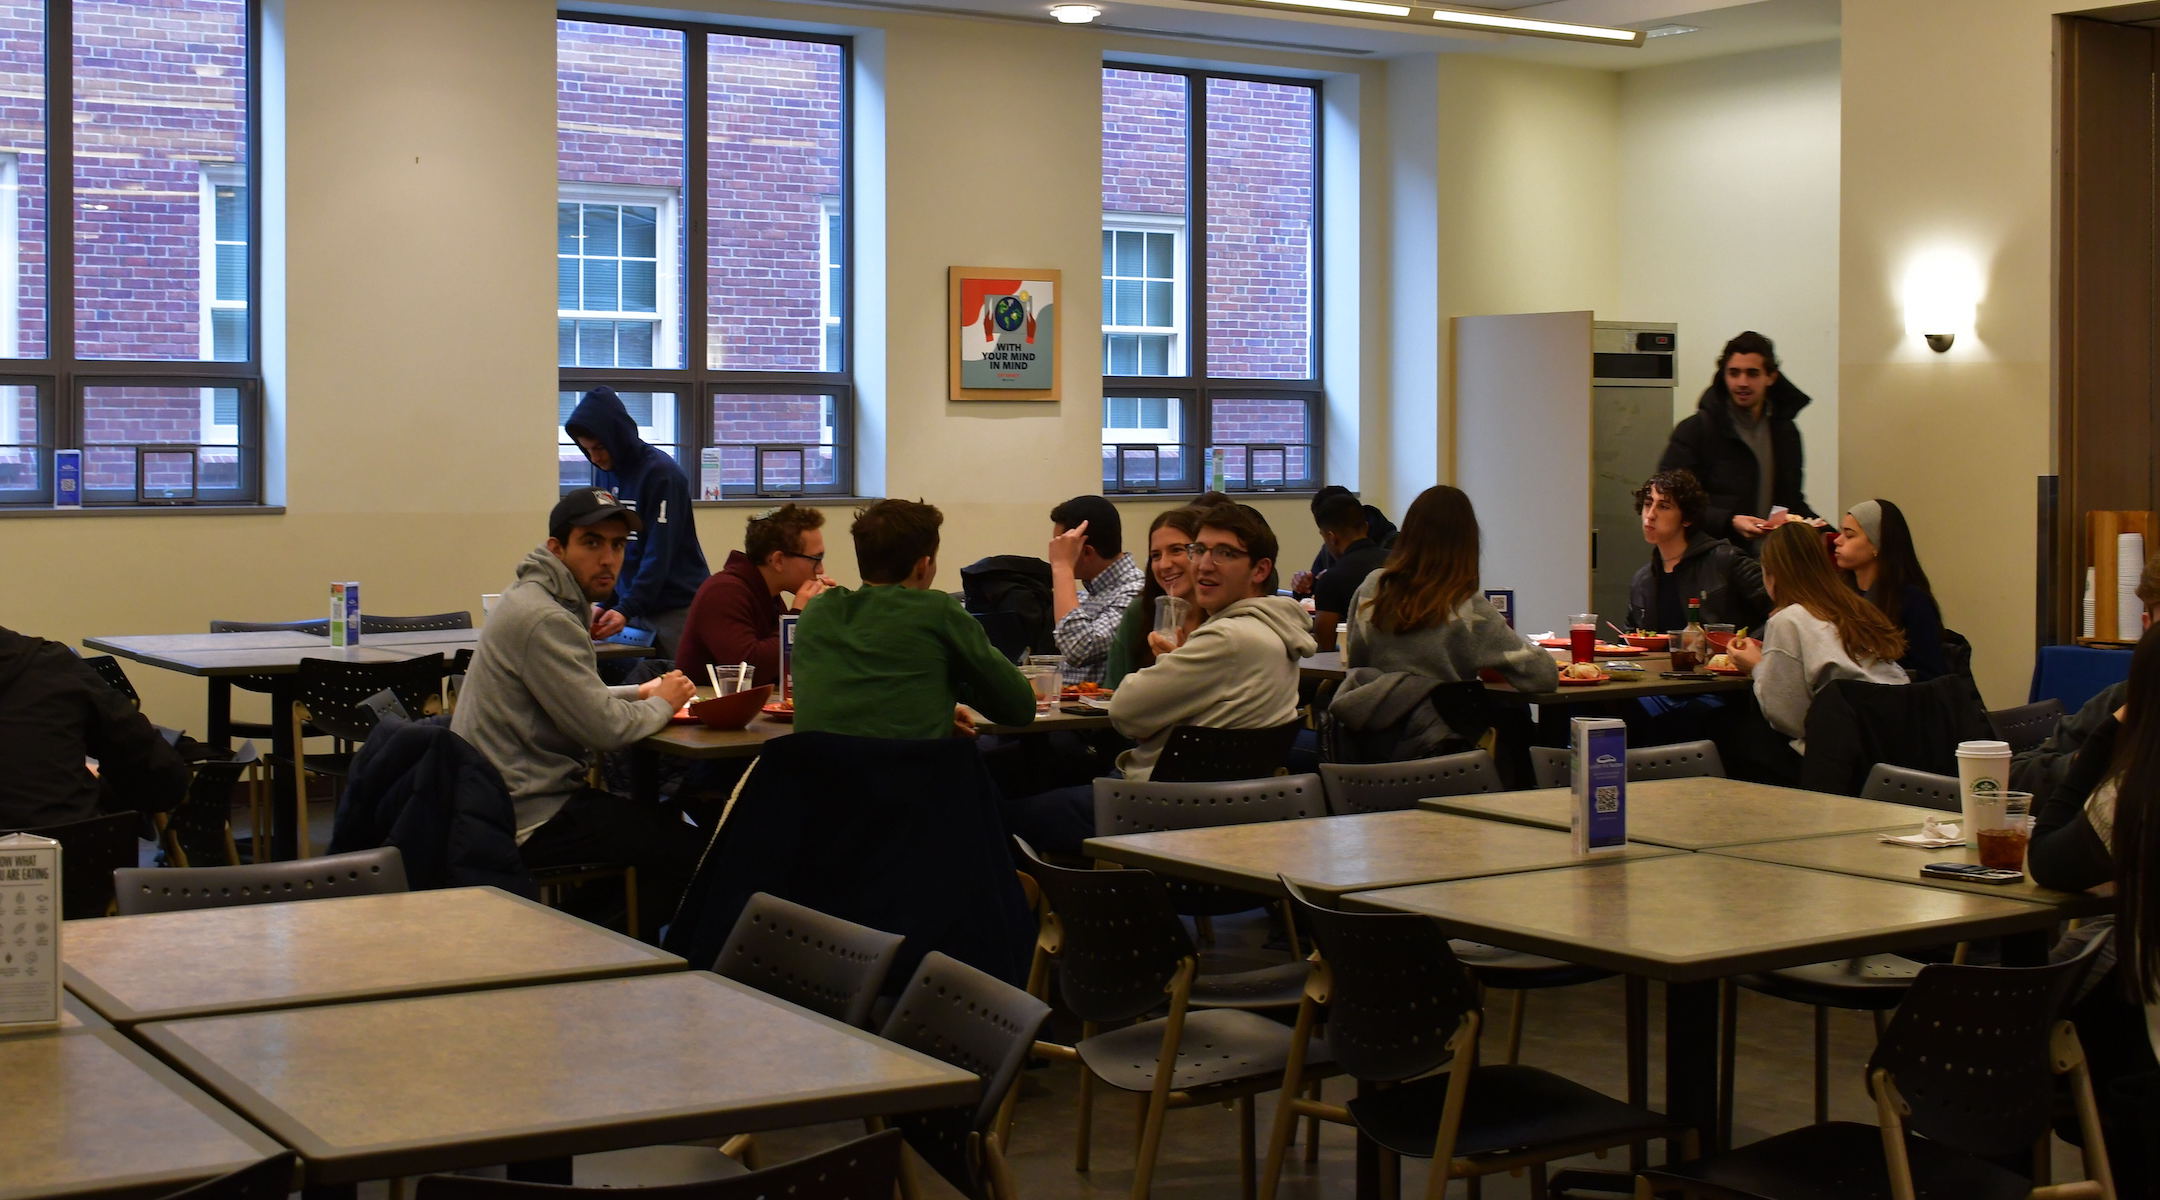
[(1238, 670), (736, 615)]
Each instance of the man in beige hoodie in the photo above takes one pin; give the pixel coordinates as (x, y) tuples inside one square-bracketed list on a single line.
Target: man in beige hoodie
[(1239, 670)]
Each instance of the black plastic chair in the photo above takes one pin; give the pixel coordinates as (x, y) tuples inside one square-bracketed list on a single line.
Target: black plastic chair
[(337, 699), (1120, 951), (173, 889), (805, 957), (318, 627), (91, 850), (1679, 760), (2027, 725), (1007, 633), (1903, 785), (1386, 787), (864, 1169), (1128, 806), (198, 831), (1400, 1006), (108, 669), (1200, 754), (955, 1013), (1964, 1073), (371, 623), (270, 1179)]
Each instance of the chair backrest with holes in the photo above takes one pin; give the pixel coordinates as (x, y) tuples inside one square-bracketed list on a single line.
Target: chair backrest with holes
[(953, 1012), (1200, 754), (1680, 760), (1396, 991), (371, 623), (1119, 942), (1903, 785), (805, 957), (2027, 725), (1131, 806), (336, 692), (1383, 787), (172, 889), (92, 850)]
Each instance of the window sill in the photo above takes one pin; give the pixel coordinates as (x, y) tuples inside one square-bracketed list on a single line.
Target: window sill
[(1240, 496), (814, 500), (151, 510)]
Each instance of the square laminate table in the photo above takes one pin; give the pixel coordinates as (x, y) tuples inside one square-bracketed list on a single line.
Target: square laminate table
[(1626, 685), (1333, 855), (163, 966), (1702, 813), (90, 1114), (74, 1016), (1867, 855), (435, 1083), (1692, 919)]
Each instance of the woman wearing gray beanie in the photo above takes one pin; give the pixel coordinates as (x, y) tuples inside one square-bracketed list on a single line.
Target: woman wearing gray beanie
[(1875, 550)]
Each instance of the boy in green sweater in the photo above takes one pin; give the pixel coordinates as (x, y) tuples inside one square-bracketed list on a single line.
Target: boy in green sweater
[(894, 659)]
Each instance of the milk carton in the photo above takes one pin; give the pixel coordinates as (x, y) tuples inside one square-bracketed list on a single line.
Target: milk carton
[(29, 932), (345, 614), (1597, 748)]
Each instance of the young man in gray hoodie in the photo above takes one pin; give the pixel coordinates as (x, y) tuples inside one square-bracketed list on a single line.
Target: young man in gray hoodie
[(533, 704)]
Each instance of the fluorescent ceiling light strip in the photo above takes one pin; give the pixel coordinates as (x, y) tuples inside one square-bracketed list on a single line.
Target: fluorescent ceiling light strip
[(1525, 25), (1356, 6)]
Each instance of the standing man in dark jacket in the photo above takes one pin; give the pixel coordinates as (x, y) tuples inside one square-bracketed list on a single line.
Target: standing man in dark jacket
[(1742, 444), (664, 566), (1688, 564), (55, 712)]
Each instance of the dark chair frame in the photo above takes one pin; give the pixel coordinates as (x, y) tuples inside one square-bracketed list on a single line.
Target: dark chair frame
[(1202, 754), (1386, 787), (2027, 725), (175, 889), (864, 1169), (821, 962), (373, 623), (91, 849)]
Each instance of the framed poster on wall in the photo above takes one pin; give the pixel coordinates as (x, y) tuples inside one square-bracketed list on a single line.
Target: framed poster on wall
[(1003, 326)]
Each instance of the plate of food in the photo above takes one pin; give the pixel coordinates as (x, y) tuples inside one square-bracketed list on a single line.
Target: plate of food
[(1721, 664), (781, 710), (1553, 643), (1650, 641), (1609, 650), (1084, 690), (1582, 675)]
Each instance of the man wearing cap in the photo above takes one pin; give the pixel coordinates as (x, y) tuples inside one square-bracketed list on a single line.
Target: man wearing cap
[(663, 565), (533, 705)]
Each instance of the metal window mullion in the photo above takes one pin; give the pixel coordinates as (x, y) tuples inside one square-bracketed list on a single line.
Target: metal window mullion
[(1201, 419), (697, 190), (66, 409)]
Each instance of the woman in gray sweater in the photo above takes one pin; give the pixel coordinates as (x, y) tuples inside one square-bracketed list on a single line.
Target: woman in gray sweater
[(1416, 623)]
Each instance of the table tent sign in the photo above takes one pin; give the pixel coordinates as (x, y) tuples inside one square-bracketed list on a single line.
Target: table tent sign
[(1598, 773), (29, 932), (345, 614)]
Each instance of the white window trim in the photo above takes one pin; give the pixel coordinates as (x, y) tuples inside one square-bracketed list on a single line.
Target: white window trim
[(1173, 224), (10, 285), (212, 177), (828, 307), (667, 344)]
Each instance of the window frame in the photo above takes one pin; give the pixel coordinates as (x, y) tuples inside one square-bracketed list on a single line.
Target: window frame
[(1194, 393), (695, 384), (62, 376), (667, 278)]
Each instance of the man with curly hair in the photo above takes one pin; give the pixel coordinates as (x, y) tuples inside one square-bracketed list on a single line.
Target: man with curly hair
[(1688, 564)]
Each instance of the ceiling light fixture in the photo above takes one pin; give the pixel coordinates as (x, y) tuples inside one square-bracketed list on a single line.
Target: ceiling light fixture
[(1425, 16), (1556, 29), (1658, 31), (1074, 14)]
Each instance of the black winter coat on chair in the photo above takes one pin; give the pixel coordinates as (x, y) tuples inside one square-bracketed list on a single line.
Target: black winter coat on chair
[(417, 786), (902, 836), (1852, 725)]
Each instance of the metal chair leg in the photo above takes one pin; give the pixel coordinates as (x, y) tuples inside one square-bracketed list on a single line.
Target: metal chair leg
[(1728, 1051), (1312, 1125), (1246, 1139), (1822, 1064), (1515, 1025), (1087, 1106), (1637, 990)]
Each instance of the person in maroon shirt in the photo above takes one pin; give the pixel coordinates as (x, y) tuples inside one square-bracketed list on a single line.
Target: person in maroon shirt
[(736, 615)]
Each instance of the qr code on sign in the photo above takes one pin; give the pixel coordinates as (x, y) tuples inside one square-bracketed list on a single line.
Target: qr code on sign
[(1607, 799)]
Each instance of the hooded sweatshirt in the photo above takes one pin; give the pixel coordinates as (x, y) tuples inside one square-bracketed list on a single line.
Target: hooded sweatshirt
[(533, 702), (55, 712), (664, 565), (1711, 444), (1239, 670)]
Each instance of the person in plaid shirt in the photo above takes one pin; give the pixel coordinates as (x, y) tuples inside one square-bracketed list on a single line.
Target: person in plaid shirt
[(1092, 582)]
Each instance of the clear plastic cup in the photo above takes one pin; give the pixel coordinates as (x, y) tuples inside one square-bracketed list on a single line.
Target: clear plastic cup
[(731, 678), (1046, 681), (1170, 614), (1582, 637)]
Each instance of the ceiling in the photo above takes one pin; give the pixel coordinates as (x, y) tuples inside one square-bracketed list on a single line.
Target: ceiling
[(1727, 27)]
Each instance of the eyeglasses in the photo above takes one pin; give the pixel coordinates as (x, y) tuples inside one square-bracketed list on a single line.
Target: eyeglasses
[(1225, 555), (817, 559)]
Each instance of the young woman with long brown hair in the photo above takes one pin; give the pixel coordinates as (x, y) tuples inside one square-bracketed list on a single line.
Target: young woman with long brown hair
[(1421, 620), (1821, 631)]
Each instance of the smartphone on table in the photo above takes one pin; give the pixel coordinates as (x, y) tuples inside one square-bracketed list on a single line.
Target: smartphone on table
[(1971, 873)]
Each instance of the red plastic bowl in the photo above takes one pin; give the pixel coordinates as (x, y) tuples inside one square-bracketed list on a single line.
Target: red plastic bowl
[(732, 711)]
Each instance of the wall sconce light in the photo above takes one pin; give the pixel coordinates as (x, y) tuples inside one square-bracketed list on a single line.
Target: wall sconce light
[(1074, 14), (1942, 292)]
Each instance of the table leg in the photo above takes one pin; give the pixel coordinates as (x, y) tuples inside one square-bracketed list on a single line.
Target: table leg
[(644, 775), (540, 1170), (285, 783), (1368, 1161), (1691, 1059), (219, 714)]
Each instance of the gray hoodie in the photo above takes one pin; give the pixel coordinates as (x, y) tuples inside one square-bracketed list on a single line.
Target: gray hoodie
[(533, 702), (1239, 670)]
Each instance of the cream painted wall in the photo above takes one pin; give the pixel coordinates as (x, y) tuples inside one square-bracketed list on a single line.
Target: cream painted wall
[(1948, 144), (1729, 213)]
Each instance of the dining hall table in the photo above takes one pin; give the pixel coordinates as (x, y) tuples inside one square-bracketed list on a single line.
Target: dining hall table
[(273, 657)]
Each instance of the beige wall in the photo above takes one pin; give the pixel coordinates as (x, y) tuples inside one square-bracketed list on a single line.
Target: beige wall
[(1948, 143), (1729, 219)]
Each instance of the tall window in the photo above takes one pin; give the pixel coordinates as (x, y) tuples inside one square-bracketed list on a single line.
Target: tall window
[(701, 257), (1233, 377), (129, 266)]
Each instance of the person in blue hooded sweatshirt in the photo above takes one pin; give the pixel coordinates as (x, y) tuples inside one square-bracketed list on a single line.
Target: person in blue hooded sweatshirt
[(664, 566)]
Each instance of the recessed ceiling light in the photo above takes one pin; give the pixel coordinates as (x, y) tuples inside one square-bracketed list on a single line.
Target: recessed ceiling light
[(1074, 14), (1356, 6), (1670, 30)]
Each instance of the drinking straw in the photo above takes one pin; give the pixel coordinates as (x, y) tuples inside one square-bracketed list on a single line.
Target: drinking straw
[(1616, 629), (742, 677), (713, 673)]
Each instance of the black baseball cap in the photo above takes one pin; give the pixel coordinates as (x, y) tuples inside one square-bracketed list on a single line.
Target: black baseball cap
[(589, 506)]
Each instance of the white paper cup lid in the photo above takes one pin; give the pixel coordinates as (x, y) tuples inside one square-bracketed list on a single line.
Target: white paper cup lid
[(1983, 749)]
